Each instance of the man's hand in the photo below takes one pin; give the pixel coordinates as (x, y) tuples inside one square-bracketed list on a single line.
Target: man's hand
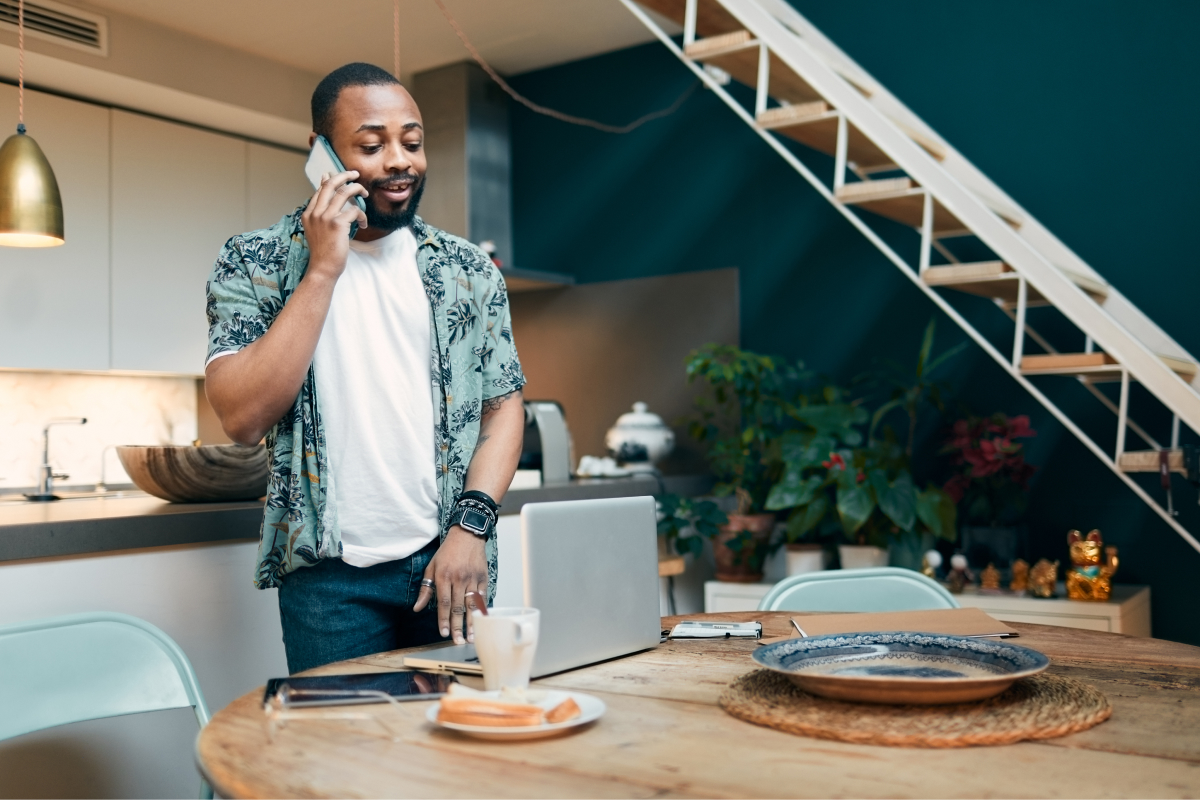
[(459, 566), (327, 224)]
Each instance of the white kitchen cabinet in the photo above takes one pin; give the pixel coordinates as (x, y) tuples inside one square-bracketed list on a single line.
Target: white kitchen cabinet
[(54, 311), (178, 193), (275, 184)]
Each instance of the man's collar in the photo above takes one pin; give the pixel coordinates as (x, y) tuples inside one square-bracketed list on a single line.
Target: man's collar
[(424, 234)]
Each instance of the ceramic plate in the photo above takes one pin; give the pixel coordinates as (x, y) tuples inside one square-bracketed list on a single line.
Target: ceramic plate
[(592, 709), (924, 668)]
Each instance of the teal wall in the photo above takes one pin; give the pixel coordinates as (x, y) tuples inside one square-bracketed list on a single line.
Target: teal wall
[(1085, 111)]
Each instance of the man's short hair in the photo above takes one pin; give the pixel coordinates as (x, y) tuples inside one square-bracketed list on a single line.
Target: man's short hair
[(325, 96)]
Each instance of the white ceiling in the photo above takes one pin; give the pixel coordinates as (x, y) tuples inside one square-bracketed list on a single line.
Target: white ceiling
[(319, 35)]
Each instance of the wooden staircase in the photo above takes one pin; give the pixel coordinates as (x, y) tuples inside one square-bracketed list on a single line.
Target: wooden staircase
[(889, 163)]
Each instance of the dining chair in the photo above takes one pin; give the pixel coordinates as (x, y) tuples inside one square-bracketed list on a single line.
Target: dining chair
[(871, 589), (90, 666)]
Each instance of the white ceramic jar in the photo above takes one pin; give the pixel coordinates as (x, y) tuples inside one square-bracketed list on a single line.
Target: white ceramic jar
[(639, 439)]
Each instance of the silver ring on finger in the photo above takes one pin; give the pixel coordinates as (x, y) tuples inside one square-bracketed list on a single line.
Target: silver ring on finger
[(427, 583), (458, 610)]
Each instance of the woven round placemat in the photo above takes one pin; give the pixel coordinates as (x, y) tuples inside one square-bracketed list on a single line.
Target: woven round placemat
[(1040, 707)]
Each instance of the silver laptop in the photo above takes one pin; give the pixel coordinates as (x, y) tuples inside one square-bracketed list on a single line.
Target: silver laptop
[(591, 568)]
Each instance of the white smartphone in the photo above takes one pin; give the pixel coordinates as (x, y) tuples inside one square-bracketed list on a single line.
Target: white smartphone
[(323, 161)]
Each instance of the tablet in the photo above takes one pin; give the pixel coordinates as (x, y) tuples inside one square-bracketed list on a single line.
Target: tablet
[(355, 688)]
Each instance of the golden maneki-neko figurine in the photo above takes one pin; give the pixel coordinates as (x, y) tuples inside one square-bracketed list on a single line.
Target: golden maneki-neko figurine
[(1090, 578)]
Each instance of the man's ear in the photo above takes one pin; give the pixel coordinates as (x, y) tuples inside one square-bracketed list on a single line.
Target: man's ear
[(312, 138)]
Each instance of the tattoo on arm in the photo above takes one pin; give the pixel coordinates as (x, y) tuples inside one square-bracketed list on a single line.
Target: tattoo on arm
[(493, 404), (482, 438)]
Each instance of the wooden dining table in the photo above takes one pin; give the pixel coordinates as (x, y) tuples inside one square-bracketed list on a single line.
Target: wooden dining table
[(664, 735)]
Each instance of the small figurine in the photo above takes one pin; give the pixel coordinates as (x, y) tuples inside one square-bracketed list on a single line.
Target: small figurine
[(1020, 576), (1042, 578), (1088, 579), (959, 575), (930, 564), (989, 579)]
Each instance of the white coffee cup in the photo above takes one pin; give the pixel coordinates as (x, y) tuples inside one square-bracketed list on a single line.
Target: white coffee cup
[(505, 641)]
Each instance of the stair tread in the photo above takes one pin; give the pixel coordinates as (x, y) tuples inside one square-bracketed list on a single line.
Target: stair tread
[(1066, 361), (1147, 461), (737, 54), (1094, 364), (711, 18), (901, 200), (997, 280), (815, 125), (716, 45)]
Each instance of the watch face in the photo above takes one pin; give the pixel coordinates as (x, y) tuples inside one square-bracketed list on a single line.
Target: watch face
[(474, 520)]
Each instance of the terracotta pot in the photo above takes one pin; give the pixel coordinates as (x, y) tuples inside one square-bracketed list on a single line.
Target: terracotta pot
[(738, 567)]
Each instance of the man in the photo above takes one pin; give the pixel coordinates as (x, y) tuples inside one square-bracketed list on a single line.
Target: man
[(383, 374)]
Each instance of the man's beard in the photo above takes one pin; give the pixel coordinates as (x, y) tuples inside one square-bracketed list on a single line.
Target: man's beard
[(384, 221)]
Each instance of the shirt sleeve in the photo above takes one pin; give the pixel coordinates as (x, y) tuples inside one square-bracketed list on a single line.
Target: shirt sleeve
[(235, 318), (498, 357)]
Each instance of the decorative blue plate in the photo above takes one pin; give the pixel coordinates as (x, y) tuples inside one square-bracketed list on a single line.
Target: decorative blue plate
[(900, 667)]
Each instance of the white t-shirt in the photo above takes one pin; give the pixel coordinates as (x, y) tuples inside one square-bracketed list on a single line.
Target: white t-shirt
[(373, 378)]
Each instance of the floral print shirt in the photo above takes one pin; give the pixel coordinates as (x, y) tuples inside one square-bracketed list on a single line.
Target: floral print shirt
[(473, 359)]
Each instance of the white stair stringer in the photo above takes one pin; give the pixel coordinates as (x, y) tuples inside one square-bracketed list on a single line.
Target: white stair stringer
[(1039, 237), (1038, 257)]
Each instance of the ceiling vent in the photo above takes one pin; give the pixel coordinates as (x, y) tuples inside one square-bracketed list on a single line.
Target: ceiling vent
[(60, 24)]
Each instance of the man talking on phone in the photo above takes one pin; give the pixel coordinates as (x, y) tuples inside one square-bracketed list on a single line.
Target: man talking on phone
[(382, 372)]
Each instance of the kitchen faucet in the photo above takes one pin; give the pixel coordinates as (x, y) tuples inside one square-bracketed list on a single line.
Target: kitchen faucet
[(46, 473)]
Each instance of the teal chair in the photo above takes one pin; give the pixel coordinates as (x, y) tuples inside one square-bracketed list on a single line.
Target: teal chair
[(872, 589), (89, 666)]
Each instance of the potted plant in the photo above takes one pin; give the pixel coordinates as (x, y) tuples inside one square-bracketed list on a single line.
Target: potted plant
[(678, 515), (741, 421), (835, 485), (990, 484), (865, 494)]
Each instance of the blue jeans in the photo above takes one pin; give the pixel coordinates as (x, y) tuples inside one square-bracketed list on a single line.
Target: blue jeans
[(333, 611)]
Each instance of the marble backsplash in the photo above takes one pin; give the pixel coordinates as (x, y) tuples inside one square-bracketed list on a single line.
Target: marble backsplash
[(120, 410)]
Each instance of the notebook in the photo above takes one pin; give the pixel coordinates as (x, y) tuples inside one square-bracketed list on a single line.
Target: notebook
[(951, 621)]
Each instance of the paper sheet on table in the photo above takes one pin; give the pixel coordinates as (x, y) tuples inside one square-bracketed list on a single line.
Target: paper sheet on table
[(953, 621)]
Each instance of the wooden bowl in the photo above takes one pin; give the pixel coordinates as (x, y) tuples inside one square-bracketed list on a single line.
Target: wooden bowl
[(206, 474)]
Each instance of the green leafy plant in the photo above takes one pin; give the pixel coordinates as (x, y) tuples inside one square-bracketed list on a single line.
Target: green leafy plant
[(744, 418), (838, 484), (678, 514), (910, 390)]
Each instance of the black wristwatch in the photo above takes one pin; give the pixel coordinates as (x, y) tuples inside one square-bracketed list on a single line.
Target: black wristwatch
[(473, 520)]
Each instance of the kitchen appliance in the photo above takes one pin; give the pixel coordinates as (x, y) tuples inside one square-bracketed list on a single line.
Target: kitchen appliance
[(547, 445)]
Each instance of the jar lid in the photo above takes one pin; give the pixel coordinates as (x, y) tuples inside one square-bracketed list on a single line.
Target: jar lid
[(640, 418)]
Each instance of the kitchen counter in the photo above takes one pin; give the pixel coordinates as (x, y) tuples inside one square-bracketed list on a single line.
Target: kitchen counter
[(104, 524), (101, 524)]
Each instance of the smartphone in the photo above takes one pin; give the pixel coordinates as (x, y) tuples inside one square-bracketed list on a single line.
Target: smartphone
[(335, 690), (323, 161)]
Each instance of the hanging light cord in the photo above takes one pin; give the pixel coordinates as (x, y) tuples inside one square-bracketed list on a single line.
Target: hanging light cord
[(20, 66), (549, 112), (396, 36)]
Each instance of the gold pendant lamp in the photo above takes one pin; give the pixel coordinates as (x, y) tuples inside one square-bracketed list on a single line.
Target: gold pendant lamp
[(31, 210)]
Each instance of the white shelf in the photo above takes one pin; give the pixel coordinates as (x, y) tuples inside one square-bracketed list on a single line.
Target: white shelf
[(1128, 612)]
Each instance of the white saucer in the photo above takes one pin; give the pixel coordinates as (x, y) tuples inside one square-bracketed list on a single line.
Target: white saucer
[(592, 709)]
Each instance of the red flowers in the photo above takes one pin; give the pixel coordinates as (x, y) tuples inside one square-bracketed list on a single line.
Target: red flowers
[(835, 460), (983, 447)]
